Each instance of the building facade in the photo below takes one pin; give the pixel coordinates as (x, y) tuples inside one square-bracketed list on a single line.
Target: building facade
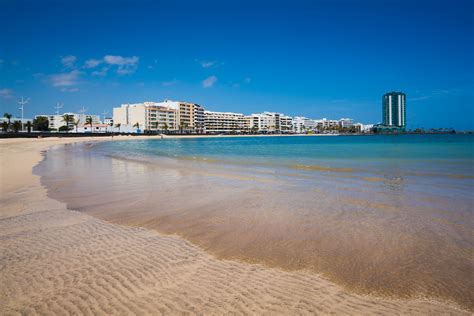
[(224, 122), (302, 125), (269, 122), (325, 124), (147, 116), (346, 123), (166, 115), (394, 110)]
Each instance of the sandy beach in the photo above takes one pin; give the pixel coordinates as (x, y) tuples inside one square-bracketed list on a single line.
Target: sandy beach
[(59, 261)]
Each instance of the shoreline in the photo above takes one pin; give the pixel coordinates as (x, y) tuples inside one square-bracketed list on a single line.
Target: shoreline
[(51, 254)]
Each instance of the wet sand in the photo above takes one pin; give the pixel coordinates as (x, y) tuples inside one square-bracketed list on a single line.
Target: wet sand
[(57, 261)]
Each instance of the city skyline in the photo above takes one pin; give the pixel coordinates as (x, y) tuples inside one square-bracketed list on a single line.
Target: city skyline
[(283, 57)]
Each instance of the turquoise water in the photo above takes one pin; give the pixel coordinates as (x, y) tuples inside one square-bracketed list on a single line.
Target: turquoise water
[(383, 215), (389, 156), (306, 149)]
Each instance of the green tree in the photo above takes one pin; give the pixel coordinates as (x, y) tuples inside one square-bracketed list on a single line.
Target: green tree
[(5, 126), (41, 123), (28, 126), (8, 116), (89, 122), (136, 125), (118, 126), (67, 118), (16, 126)]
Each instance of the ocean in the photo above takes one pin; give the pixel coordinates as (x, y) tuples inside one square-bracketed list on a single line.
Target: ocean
[(385, 215)]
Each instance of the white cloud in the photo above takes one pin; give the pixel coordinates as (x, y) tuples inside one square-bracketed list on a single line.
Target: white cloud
[(92, 63), (119, 60), (125, 65), (208, 63), (209, 82), (67, 79), (6, 93), (68, 61), (434, 94), (100, 73)]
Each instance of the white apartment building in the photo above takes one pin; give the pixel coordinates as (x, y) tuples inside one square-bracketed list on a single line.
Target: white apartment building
[(346, 122), (56, 121), (95, 128), (268, 122), (166, 115), (326, 124), (224, 122), (146, 116), (286, 123), (303, 124), (364, 128)]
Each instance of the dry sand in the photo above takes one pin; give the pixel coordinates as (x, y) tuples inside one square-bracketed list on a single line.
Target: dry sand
[(59, 261)]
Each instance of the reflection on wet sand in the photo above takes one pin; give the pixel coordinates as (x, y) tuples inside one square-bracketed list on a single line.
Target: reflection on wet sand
[(372, 236)]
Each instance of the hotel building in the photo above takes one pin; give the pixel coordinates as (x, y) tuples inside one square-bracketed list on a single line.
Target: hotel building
[(166, 115), (303, 124), (394, 110), (270, 122), (224, 122), (346, 123), (326, 124)]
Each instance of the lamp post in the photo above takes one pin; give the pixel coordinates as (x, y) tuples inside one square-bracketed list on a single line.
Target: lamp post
[(22, 103)]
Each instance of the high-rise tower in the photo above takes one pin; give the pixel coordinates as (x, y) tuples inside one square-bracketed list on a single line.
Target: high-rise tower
[(394, 110)]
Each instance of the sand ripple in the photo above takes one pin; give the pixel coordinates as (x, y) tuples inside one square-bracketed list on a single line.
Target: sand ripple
[(58, 261)]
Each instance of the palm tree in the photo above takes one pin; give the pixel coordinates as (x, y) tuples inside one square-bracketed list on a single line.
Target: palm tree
[(8, 116), (89, 122), (5, 126), (67, 118), (136, 125), (28, 126), (76, 124), (118, 126), (16, 126), (165, 127)]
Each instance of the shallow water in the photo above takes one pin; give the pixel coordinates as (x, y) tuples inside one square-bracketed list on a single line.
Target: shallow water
[(385, 215)]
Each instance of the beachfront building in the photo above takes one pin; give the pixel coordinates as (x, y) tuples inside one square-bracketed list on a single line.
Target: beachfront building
[(158, 116), (325, 124), (224, 122), (190, 116), (364, 128), (266, 122), (286, 124), (302, 125), (95, 128), (346, 123), (56, 120), (108, 120), (146, 116), (393, 112)]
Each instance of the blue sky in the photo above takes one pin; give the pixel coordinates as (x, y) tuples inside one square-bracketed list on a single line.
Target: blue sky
[(314, 58)]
